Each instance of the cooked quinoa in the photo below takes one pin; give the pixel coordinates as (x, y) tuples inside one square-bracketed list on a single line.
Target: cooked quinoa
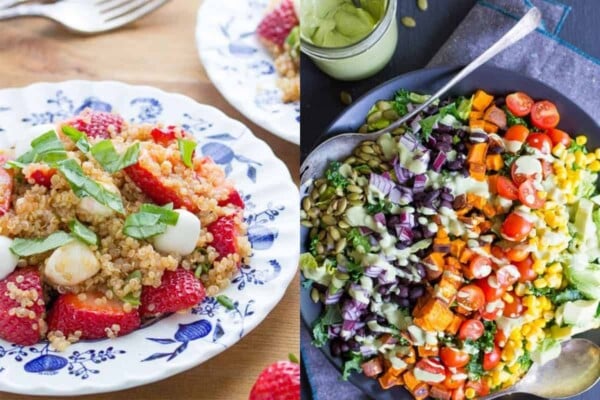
[(38, 211)]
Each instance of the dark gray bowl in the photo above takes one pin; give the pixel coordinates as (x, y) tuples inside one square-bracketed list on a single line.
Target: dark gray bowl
[(491, 79)]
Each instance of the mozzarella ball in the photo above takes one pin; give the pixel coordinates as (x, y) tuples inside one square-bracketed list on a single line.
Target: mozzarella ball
[(89, 205), (23, 144), (71, 264), (8, 260), (180, 238)]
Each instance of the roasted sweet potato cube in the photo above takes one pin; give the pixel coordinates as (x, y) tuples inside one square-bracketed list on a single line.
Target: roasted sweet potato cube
[(454, 326), (435, 316), (372, 367)]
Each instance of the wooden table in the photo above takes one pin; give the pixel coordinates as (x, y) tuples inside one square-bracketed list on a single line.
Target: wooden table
[(159, 51)]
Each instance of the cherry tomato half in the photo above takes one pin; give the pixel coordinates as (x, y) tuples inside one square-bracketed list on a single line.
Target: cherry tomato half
[(500, 338), (470, 298), (531, 171), (517, 133), (506, 188), (455, 380), (471, 329), (544, 115), (478, 268), (458, 393), (514, 309), (492, 290), (557, 136), (452, 357), (519, 104), (516, 227), (481, 387), (491, 359), (517, 253), (529, 195), (492, 311), (525, 268), (540, 141), (431, 365), (507, 275)]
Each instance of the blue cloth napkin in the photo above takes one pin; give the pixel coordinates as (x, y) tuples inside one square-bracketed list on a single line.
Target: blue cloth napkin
[(542, 55)]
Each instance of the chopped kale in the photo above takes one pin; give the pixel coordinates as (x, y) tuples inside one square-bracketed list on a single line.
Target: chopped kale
[(511, 119), (475, 367), (358, 241), (307, 283), (352, 365), (334, 176), (382, 206), (332, 315), (577, 147), (355, 270), (401, 101), (525, 361), (312, 248)]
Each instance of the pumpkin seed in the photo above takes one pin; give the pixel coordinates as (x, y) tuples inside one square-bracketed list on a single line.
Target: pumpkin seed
[(314, 295), (335, 233), (306, 203), (354, 189), (342, 205), (363, 129), (340, 245), (350, 160), (320, 181), (306, 223), (365, 148), (374, 163), (320, 249), (314, 231), (313, 212), (422, 4), (355, 196), (345, 98), (374, 117), (383, 105), (322, 189), (356, 203), (343, 224), (328, 220), (391, 115), (321, 235), (409, 22), (314, 195)]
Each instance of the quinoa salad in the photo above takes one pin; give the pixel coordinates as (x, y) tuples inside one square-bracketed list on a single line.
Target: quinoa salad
[(105, 224), (452, 253), (279, 32)]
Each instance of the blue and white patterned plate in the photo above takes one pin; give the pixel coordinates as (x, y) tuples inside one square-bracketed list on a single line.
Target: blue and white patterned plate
[(240, 67), (178, 342)]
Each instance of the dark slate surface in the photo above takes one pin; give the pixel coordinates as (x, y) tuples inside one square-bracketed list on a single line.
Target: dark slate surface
[(416, 48)]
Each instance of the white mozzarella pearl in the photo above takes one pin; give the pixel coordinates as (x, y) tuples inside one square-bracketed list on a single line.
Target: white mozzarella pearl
[(180, 238), (9, 260), (71, 264)]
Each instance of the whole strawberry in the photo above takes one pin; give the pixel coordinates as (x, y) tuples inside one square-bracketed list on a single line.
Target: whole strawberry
[(279, 381), (277, 25)]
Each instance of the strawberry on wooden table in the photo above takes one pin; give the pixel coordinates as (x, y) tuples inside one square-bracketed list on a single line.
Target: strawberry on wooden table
[(96, 124), (178, 290), (279, 381), (91, 314), (22, 307), (277, 25)]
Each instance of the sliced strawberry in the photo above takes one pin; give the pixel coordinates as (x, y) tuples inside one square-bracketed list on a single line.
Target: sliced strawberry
[(96, 123), (280, 381), (224, 236), (93, 315), (39, 174), (234, 198), (6, 189), (164, 136), (22, 307), (178, 290), (277, 25), (154, 187)]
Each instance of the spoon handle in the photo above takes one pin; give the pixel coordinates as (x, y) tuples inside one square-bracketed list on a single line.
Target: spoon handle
[(526, 25)]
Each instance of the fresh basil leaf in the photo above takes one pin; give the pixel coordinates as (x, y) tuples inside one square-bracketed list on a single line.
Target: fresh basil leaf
[(83, 186), (105, 153), (45, 148), (29, 247), (166, 213), (83, 233), (14, 164), (143, 225), (79, 138), (226, 302), (186, 148)]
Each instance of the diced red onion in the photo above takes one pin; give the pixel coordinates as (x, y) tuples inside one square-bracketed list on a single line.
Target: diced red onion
[(439, 161), (382, 184), (373, 271), (333, 298), (406, 219), (367, 351), (404, 233), (419, 183), (379, 218)]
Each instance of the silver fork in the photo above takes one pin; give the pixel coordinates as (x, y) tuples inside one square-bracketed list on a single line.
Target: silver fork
[(86, 16)]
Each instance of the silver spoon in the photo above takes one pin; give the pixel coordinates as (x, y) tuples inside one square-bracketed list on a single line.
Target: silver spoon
[(575, 371), (342, 145)]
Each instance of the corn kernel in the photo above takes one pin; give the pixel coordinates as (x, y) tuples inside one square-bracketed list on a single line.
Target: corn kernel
[(589, 157), (539, 267), (520, 289), (597, 153), (530, 301), (515, 368), (580, 159), (548, 315), (581, 140), (554, 281), (508, 298), (569, 159), (554, 268), (531, 346), (539, 324), (594, 166), (470, 393), (558, 150), (544, 303), (515, 335)]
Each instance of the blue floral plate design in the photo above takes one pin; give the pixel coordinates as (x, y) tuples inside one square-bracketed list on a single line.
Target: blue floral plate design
[(178, 342), (240, 68)]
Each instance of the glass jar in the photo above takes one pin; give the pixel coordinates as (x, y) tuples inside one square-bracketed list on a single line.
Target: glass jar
[(363, 58)]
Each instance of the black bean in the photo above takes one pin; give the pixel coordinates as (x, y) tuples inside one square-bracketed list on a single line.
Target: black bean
[(344, 347), (416, 292), (403, 291), (336, 348), (421, 270), (404, 303)]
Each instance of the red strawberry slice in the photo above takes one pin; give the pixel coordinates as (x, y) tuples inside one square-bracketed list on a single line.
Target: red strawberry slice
[(224, 234), (22, 316), (234, 198), (178, 290), (163, 136), (39, 174), (277, 25), (96, 123), (92, 314), (6, 189), (154, 187), (279, 381)]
